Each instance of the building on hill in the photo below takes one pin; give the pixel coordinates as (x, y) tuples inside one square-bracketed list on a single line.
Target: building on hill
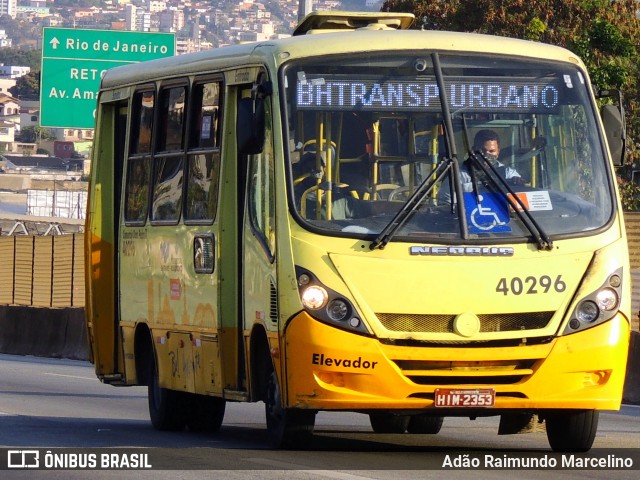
[(9, 7), (6, 84), (13, 71), (7, 135), (5, 41)]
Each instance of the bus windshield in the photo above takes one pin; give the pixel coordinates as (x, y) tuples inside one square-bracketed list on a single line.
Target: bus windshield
[(366, 131)]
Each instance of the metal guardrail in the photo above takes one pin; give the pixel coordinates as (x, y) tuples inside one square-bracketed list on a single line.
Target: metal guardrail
[(29, 225)]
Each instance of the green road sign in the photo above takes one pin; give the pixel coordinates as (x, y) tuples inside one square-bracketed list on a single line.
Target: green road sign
[(73, 62)]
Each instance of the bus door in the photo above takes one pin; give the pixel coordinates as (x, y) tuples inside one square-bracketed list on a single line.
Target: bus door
[(258, 249), (102, 236), (246, 244)]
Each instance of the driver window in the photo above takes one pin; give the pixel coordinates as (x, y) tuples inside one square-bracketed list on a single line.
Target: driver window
[(262, 188)]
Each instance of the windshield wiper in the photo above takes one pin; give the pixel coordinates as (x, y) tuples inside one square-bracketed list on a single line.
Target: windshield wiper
[(478, 160), (413, 203)]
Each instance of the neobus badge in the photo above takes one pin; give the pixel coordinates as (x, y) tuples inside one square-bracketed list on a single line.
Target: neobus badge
[(462, 251)]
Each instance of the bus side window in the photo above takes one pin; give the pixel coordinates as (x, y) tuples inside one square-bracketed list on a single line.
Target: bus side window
[(206, 114), (203, 159), (169, 157), (137, 202), (172, 116), (142, 124), (167, 191), (202, 186), (139, 161)]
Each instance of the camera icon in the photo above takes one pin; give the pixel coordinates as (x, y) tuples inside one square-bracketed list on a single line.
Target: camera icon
[(23, 459)]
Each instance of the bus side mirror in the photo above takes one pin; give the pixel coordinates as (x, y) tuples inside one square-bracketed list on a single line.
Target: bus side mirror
[(615, 131), (612, 116), (250, 122)]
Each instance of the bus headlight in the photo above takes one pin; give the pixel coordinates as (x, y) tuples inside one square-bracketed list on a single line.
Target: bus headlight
[(338, 310), (587, 312), (597, 307), (607, 299), (314, 297), (327, 305)]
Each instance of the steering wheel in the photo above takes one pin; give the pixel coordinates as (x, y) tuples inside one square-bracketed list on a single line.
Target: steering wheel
[(397, 194)]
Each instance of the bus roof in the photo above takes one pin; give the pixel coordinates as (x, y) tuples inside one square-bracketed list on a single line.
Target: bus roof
[(332, 42)]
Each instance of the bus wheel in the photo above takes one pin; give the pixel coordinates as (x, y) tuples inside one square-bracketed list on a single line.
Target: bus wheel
[(425, 424), (571, 430), (165, 408), (389, 422), (287, 427), (206, 413)]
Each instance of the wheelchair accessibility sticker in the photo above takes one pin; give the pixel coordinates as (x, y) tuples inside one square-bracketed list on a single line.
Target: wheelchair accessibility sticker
[(488, 213)]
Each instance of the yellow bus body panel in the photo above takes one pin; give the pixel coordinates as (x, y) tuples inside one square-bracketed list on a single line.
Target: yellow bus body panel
[(159, 288), (333, 369), (403, 362)]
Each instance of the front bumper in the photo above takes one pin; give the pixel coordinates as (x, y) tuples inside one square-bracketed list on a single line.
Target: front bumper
[(331, 369)]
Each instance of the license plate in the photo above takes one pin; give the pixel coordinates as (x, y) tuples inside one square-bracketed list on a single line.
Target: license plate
[(451, 398)]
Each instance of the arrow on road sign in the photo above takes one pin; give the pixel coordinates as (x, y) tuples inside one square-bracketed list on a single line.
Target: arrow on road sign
[(54, 42)]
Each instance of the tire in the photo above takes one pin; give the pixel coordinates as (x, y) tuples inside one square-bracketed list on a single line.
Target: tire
[(422, 423), (388, 422), (166, 409), (205, 413), (287, 428), (571, 430)]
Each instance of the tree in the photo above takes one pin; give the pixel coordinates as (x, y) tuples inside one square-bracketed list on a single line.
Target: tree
[(604, 33), (20, 31), (27, 86), (34, 134), (20, 57)]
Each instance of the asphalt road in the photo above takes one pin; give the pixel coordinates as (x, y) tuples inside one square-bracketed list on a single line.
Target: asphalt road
[(59, 406)]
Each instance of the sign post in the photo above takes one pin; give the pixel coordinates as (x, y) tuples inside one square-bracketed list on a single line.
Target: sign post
[(73, 62)]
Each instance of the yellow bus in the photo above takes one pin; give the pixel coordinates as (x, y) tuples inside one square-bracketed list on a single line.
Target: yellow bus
[(362, 217)]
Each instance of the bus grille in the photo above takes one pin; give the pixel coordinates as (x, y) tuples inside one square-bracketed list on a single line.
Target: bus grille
[(273, 303), (497, 372), (492, 322)]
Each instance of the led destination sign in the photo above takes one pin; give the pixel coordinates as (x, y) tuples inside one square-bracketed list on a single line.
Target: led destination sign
[(339, 93)]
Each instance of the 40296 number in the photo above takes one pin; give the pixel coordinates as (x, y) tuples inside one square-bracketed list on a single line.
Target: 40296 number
[(530, 285)]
